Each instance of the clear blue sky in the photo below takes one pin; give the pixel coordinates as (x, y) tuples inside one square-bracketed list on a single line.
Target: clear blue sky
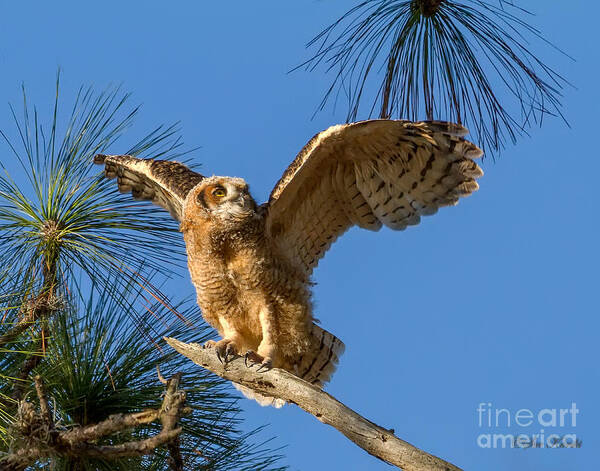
[(494, 300)]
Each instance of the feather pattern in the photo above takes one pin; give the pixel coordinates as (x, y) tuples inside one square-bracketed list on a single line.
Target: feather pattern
[(165, 183), (316, 366), (320, 362), (251, 265), (369, 174)]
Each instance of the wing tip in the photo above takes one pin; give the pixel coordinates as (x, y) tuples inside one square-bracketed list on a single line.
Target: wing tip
[(99, 159)]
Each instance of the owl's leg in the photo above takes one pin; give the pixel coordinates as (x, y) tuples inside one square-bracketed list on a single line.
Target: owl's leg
[(227, 347), (266, 349)]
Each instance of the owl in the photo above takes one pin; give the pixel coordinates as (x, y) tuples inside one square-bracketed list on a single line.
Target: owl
[(251, 264)]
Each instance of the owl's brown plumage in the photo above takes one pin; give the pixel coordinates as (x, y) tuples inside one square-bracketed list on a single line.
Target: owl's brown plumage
[(251, 265)]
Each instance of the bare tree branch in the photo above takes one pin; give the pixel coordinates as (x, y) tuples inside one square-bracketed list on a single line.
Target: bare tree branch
[(278, 383), (169, 415), (24, 457), (44, 407), (43, 440), (137, 448), (115, 423)]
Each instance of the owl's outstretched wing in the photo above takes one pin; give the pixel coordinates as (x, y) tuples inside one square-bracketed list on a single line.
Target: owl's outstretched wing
[(370, 173), (163, 182)]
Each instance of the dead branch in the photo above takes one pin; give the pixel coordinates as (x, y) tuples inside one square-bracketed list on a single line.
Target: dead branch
[(44, 407), (169, 415), (136, 448), (280, 384), (115, 423), (38, 437)]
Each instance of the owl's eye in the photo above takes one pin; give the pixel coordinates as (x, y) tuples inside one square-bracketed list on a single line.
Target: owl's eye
[(219, 192)]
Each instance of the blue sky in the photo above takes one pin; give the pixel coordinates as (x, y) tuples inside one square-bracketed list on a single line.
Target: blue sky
[(493, 301)]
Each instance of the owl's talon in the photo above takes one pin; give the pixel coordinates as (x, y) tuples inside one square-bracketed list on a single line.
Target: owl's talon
[(255, 359), (230, 351), (265, 365), (226, 350)]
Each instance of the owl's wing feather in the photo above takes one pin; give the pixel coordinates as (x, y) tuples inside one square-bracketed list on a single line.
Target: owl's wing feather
[(165, 183), (369, 174)]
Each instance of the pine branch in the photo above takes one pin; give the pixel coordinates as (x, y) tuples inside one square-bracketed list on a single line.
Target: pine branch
[(470, 62), (280, 384), (44, 440), (41, 306), (16, 330), (169, 417)]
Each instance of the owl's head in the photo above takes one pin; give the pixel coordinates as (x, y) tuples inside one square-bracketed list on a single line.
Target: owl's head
[(225, 198)]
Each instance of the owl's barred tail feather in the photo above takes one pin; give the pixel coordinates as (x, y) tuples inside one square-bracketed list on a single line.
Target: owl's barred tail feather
[(316, 367), (319, 364)]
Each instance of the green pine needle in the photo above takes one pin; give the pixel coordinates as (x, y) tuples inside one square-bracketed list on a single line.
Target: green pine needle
[(88, 256), (441, 59), (62, 213), (99, 362)]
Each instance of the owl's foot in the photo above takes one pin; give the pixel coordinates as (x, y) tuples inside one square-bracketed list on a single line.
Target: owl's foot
[(226, 349), (265, 363)]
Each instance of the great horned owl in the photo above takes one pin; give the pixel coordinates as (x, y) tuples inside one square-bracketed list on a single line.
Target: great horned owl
[(251, 265)]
